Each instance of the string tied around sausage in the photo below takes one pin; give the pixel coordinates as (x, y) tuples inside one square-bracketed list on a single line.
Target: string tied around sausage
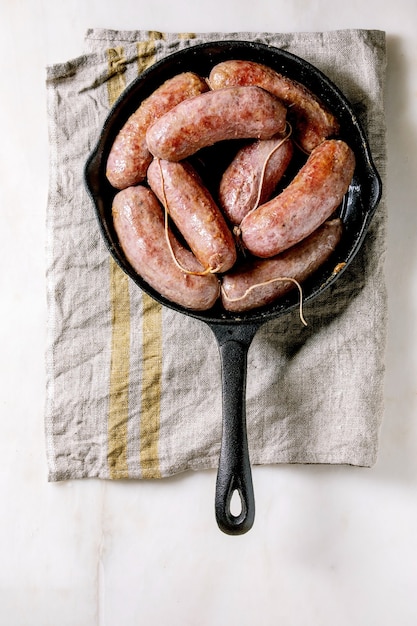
[(269, 282), (288, 133), (204, 272)]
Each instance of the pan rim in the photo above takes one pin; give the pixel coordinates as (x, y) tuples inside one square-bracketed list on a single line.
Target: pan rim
[(366, 187)]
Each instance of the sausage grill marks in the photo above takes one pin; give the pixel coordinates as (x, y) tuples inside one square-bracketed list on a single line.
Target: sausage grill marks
[(286, 235)]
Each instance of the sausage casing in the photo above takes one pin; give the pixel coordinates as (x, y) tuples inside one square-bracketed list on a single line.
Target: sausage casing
[(311, 198), (252, 176), (312, 120), (259, 283), (230, 113), (140, 227), (129, 156), (194, 212)]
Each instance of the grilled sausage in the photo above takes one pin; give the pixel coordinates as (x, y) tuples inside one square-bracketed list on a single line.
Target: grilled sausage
[(312, 120), (231, 113), (311, 198), (140, 227), (194, 212), (259, 282), (252, 176), (129, 156)]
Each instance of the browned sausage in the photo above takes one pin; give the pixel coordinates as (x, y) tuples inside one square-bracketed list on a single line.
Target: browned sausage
[(194, 212), (140, 227), (252, 176), (311, 198), (129, 156), (231, 113), (259, 282), (313, 122)]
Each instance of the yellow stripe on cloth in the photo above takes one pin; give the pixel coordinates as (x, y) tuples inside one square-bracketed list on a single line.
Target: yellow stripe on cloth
[(151, 337), (151, 387), (151, 333), (119, 373), (116, 69), (147, 50), (120, 317)]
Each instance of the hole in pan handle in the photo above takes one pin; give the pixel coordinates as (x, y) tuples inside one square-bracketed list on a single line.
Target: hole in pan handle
[(234, 470)]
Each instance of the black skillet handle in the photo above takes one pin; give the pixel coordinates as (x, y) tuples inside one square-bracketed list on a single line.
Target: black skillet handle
[(234, 470)]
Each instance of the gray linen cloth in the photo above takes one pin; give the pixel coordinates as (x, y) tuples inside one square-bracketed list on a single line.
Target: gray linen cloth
[(134, 390)]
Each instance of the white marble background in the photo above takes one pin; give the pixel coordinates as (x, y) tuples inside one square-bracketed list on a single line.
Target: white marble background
[(331, 546)]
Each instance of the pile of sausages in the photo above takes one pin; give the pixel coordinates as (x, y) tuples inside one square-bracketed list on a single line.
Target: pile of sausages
[(239, 243)]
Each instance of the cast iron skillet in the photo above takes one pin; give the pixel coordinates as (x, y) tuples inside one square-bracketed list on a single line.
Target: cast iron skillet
[(233, 332)]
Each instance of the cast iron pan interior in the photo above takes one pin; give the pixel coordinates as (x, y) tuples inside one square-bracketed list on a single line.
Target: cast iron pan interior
[(233, 332)]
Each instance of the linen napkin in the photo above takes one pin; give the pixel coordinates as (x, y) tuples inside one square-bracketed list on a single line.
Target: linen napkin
[(133, 389)]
